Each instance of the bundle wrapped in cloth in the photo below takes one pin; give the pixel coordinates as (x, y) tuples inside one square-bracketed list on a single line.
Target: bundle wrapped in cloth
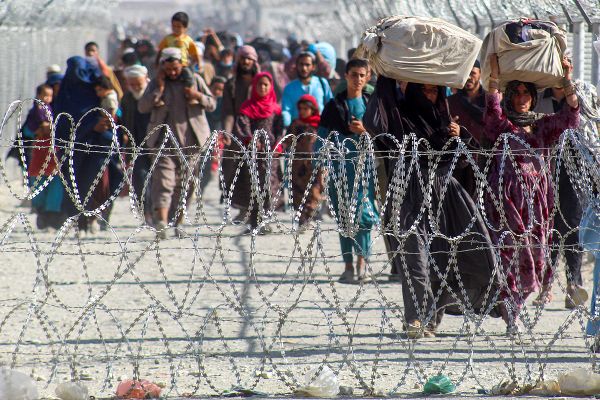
[(528, 51), (421, 50)]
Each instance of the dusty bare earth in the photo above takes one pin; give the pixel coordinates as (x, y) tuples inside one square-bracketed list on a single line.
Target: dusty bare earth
[(218, 309)]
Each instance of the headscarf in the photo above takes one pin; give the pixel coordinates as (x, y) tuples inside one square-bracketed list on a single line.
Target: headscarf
[(315, 118), (77, 96), (257, 107), (247, 51), (428, 118), (383, 111), (54, 78), (520, 119)]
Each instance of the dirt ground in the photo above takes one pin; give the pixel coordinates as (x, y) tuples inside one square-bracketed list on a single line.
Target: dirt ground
[(217, 309)]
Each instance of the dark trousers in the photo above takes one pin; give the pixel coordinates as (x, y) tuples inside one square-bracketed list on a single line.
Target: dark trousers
[(568, 218)]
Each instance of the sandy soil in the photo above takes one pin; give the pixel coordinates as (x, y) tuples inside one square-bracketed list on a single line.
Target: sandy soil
[(217, 309)]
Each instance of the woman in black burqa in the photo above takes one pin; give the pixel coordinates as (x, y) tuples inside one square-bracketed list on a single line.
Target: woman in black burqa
[(426, 206)]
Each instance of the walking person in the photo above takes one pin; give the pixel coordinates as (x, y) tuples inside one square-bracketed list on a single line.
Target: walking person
[(236, 92), (306, 185), (137, 124), (171, 177), (521, 188), (343, 115), (429, 215), (259, 113)]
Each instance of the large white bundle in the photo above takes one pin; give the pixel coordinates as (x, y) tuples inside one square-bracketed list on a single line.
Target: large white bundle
[(537, 60), (421, 50)]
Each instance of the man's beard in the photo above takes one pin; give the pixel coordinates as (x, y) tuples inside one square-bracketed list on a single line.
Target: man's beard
[(137, 94)]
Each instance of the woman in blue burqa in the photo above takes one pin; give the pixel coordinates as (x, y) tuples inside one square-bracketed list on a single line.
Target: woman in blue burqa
[(92, 139)]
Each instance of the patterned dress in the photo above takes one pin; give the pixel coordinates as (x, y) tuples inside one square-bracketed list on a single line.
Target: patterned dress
[(242, 187), (519, 197), (302, 171)]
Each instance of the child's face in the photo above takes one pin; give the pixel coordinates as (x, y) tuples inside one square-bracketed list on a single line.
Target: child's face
[(177, 28), (304, 110), (46, 96), (227, 60), (217, 89)]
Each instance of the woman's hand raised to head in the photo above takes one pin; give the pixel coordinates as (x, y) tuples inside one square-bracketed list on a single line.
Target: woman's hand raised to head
[(570, 93), (567, 67), (494, 73), (494, 66)]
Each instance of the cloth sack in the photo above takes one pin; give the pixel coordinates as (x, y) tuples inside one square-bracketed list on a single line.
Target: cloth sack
[(421, 50), (536, 59)]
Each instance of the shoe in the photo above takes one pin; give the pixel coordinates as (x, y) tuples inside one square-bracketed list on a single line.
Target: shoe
[(41, 222), (179, 233), (361, 272), (429, 331), (161, 230), (346, 277), (512, 330), (265, 230), (576, 296), (414, 330)]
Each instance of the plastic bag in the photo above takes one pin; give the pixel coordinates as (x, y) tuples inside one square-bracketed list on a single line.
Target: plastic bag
[(324, 385), (580, 382), (72, 391), (15, 385), (439, 384), (130, 389)]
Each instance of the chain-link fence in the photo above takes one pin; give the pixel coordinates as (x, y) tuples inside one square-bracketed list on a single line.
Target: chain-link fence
[(36, 34)]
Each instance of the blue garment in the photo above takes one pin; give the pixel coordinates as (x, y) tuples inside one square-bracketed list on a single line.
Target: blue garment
[(589, 237), (361, 244), (318, 88), (357, 107), (50, 198), (76, 95), (327, 51)]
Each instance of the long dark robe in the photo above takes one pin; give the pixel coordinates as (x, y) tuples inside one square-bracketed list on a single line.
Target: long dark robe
[(434, 205), (91, 149)]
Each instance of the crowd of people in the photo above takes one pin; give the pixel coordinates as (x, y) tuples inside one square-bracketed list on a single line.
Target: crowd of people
[(259, 92)]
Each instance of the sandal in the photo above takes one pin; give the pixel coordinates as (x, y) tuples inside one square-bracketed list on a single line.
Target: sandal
[(545, 297), (576, 296), (346, 277)]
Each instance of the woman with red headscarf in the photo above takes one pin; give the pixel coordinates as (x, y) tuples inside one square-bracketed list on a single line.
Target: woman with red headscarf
[(260, 113), (304, 129)]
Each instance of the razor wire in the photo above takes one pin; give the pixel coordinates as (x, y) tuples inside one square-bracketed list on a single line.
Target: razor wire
[(213, 310)]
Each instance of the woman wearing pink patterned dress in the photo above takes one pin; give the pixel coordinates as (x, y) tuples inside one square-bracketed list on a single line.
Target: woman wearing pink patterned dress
[(520, 196)]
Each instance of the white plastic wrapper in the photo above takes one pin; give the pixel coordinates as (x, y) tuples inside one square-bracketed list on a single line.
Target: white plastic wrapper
[(326, 384), (15, 385), (72, 391)]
